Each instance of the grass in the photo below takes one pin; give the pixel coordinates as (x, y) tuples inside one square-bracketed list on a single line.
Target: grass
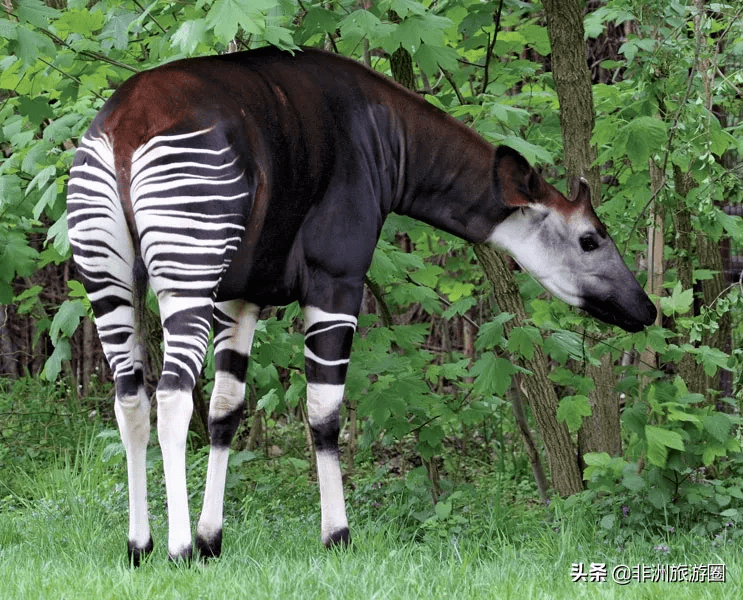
[(63, 528)]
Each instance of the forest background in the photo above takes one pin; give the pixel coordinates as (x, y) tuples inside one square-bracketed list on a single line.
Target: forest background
[(453, 372)]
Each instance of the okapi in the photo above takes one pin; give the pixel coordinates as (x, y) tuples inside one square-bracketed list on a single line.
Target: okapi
[(260, 178)]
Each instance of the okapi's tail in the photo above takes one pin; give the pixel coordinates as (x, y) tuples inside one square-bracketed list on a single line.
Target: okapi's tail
[(123, 166)]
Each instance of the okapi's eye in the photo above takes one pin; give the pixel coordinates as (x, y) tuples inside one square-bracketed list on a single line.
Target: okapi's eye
[(588, 242)]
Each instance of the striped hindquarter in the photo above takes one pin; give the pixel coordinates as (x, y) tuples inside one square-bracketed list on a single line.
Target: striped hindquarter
[(188, 198)]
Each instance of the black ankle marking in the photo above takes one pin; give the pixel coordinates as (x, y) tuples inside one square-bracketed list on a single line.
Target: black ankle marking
[(325, 435), (233, 362), (222, 429), (339, 539), (184, 555), (136, 554), (209, 548)]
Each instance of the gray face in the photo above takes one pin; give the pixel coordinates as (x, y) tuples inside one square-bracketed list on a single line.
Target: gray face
[(573, 258)]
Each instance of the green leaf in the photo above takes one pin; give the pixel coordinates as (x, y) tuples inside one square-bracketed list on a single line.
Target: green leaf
[(456, 289), (432, 435), (596, 459), (633, 482), (269, 401), (531, 152), (718, 425), (404, 7), (428, 275), (679, 302), (62, 129), (189, 35), (431, 57), (491, 334), (82, 21), (442, 510), (67, 319), (564, 344), (53, 365), (36, 12), (607, 522), (536, 36), (225, 16), (29, 45), (361, 23), (58, 233), (711, 359), (521, 341), (642, 136), (16, 256), (40, 180), (659, 440), (493, 374), (236, 460), (571, 411), (27, 299), (35, 109), (8, 29), (49, 196), (459, 307), (679, 415)]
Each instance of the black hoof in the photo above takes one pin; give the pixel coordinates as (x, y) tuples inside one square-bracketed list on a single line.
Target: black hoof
[(210, 548), (136, 554), (338, 539)]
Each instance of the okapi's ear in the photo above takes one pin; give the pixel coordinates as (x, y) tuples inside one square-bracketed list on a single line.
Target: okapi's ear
[(580, 192), (518, 182)]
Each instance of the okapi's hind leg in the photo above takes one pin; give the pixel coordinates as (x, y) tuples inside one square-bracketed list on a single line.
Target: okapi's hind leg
[(234, 326), (186, 323), (328, 339), (105, 257), (132, 410)]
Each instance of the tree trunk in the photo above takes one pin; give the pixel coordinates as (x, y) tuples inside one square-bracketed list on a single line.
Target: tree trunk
[(561, 452), (688, 368), (600, 431), (573, 85), (710, 258)]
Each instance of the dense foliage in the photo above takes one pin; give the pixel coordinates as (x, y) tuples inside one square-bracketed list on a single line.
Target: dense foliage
[(669, 135)]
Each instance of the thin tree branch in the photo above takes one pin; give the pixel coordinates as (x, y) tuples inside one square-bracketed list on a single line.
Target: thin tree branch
[(453, 84), (491, 45), (149, 14), (75, 79)]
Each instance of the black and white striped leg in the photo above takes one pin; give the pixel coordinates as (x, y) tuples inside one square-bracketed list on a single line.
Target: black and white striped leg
[(105, 258), (234, 326), (328, 339), (186, 323), (132, 409)]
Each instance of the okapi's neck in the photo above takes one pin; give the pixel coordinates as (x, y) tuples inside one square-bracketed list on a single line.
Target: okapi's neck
[(449, 176)]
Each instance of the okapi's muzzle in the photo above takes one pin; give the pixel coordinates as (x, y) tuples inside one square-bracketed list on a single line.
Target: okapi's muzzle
[(631, 314)]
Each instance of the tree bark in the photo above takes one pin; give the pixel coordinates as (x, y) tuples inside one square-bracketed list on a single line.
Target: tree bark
[(688, 368), (600, 431), (561, 451), (656, 239), (573, 85)]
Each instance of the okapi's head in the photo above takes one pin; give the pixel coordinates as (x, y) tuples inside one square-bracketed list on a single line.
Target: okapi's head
[(562, 243)]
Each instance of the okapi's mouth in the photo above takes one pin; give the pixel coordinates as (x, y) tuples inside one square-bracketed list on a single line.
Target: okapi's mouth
[(631, 316)]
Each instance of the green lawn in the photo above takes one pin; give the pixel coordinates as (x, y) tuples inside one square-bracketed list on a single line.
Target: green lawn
[(63, 530)]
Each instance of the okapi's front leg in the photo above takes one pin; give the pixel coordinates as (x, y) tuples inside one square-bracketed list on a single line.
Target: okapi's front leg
[(234, 326), (328, 339)]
